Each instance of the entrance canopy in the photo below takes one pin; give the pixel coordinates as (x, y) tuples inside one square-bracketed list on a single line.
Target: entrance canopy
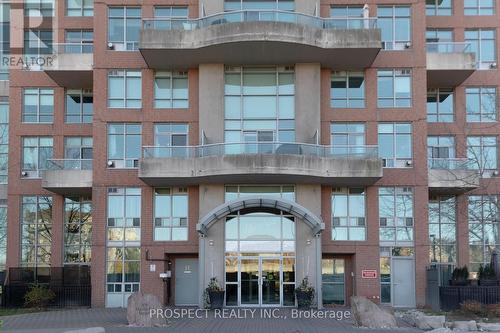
[(284, 205)]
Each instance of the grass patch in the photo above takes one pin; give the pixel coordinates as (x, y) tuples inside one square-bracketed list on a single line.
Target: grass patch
[(16, 311)]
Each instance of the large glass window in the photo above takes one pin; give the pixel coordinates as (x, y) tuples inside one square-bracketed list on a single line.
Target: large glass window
[(124, 25), (438, 7), (482, 151), (171, 90), (123, 274), (36, 152), (79, 41), (77, 230), (484, 229), (4, 140), (441, 147), (38, 105), (394, 88), (259, 4), (395, 25), (79, 152), (483, 44), (396, 215), (168, 136), (234, 192), (442, 229), (124, 89), (481, 104), (43, 8), (3, 237), (37, 42), (347, 138), (171, 214), (259, 104), (124, 145), (347, 90), (348, 214), (36, 231), (395, 144), (4, 28), (440, 105), (479, 7), (80, 7), (333, 281), (79, 106)]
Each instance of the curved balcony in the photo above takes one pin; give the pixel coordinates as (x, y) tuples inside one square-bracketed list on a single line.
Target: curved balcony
[(452, 175), (68, 176), (449, 64), (256, 37), (260, 163)]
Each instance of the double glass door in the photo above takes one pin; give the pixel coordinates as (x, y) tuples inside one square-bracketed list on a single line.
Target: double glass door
[(260, 281)]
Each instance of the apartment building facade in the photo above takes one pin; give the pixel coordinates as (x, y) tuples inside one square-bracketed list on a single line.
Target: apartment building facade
[(164, 143)]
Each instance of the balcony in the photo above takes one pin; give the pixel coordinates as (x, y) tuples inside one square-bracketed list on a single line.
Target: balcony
[(71, 65), (452, 175), (449, 64), (268, 162), (260, 37), (68, 176)]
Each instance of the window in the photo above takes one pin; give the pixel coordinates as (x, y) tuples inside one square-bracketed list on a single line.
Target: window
[(36, 152), (438, 7), (333, 281), (79, 41), (36, 231), (482, 151), (4, 141), (479, 7), (395, 144), (440, 105), (287, 5), (38, 105), (442, 229), (259, 105), (3, 237), (124, 24), (440, 149), (349, 17), (80, 7), (4, 73), (394, 88), (124, 216), (124, 145), (171, 214), (124, 89), (4, 28), (396, 215), (37, 42), (395, 25), (483, 44), (123, 269), (347, 138), (178, 13), (79, 106), (438, 35), (78, 152), (43, 8), (481, 104), (234, 192), (348, 214), (77, 230), (169, 136), (347, 90), (483, 229), (171, 90)]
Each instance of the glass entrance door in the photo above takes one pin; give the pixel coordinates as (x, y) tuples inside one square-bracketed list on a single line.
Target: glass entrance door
[(271, 282), (260, 281), (249, 281)]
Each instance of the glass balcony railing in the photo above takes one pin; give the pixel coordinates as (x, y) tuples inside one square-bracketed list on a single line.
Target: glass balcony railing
[(168, 23), (278, 148), (69, 164), (83, 47), (448, 47), (450, 163)]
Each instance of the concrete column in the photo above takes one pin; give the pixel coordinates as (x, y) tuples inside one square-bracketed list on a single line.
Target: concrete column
[(210, 7), (307, 101), (211, 102)]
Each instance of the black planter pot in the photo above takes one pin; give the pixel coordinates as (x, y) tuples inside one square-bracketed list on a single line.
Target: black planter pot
[(488, 282), (216, 299), (304, 299), (459, 282)]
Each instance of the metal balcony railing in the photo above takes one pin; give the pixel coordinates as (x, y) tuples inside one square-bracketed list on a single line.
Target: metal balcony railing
[(450, 163), (173, 23), (69, 164), (278, 148), (448, 47)]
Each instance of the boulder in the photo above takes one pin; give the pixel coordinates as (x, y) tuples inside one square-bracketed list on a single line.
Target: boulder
[(441, 330), (489, 327), (425, 322), (370, 315), (464, 325), (139, 312)]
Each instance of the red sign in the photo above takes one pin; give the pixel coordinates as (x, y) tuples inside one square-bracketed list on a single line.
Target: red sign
[(369, 274)]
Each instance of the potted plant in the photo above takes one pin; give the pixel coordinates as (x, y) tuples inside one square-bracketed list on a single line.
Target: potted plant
[(305, 294), (487, 276), (460, 276), (215, 294)]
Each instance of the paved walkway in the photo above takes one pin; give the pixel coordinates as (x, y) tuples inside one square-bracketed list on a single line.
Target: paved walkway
[(114, 321)]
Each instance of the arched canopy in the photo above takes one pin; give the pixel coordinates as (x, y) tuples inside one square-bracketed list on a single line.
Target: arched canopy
[(291, 207)]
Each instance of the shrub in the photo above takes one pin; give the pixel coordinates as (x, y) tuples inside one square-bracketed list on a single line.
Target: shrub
[(487, 272), (493, 310), (473, 307), (460, 274), (38, 297)]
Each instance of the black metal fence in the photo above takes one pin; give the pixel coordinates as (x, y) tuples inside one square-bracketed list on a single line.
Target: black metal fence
[(451, 296), (70, 284)]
